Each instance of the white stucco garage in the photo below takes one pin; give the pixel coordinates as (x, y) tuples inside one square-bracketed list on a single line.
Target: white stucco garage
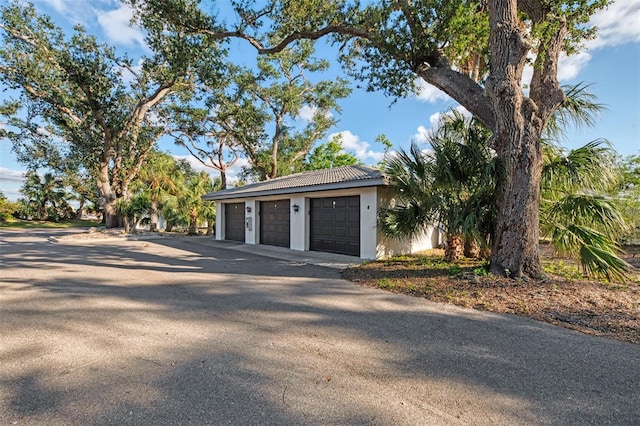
[(332, 210)]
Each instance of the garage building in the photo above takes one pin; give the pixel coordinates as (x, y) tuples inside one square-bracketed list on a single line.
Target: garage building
[(332, 210)]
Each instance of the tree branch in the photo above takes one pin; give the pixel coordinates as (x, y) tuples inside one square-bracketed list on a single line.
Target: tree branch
[(463, 89)]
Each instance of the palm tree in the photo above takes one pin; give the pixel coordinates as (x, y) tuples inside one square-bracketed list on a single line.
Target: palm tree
[(451, 185), (574, 213), (191, 203), (46, 196), (580, 221), (159, 176)]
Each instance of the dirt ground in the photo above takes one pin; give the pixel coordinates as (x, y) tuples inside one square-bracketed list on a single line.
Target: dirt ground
[(565, 299)]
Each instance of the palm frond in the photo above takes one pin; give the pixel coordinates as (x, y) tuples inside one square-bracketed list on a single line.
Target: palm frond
[(588, 168), (598, 253), (586, 210), (579, 109), (405, 221), (602, 263)]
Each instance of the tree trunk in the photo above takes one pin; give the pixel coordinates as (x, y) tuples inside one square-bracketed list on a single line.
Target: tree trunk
[(517, 143), (153, 215), (515, 251), (453, 251), (109, 199), (223, 179), (80, 210), (193, 227), (111, 218), (471, 248)]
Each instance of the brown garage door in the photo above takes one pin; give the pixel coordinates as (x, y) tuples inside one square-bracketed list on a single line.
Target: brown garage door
[(234, 222), (275, 223), (335, 225)]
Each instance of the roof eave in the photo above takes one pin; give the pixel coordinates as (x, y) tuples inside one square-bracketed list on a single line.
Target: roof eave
[(364, 183)]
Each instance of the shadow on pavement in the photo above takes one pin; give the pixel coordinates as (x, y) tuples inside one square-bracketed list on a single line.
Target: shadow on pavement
[(162, 332)]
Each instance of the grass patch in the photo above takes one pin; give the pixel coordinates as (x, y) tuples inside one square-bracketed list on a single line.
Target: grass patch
[(37, 224), (561, 269)]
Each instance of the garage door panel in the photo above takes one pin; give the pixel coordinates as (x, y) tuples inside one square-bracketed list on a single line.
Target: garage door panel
[(275, 223), (234, 222), (335, 225)]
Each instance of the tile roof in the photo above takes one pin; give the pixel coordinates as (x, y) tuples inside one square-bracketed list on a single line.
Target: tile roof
[(338, 177)]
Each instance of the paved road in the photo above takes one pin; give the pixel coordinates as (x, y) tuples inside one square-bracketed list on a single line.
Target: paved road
[(172, 332)]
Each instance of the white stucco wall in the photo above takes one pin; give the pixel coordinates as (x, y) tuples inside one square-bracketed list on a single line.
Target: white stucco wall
[(252, 224), (368, 220), (219, 221), (299, 223)]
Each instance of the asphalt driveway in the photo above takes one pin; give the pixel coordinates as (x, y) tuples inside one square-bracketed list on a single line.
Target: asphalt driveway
[(172, 332)]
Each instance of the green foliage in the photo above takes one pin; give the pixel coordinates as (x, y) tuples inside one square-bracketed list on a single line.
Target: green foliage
[(7, 208), (451, 185), (191, 204), (574, 212), (282, 89), (109, 113), (257, 114), (46, 198), (628, 193), (578, 109), (135, 206), (329, 155), (160, 176)]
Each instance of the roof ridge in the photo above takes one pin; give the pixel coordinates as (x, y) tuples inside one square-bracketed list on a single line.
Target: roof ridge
[(341, 175)]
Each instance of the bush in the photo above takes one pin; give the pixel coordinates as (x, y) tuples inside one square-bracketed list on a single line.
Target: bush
[(7, 208)]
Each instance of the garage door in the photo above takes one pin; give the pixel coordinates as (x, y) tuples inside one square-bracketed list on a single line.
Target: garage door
[(275, 223), (234, 222), (335, 225)]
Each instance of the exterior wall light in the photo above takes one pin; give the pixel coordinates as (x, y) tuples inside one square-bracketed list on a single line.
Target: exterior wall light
[(248, 209), (296, 208)]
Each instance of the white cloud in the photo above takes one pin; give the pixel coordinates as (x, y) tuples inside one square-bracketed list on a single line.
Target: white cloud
[(429, 93), (58, 5), (570, 66), (74, 14), (307, 113), (116, 25), (618, 24), (11, 174), (421, 134), (361, 149)]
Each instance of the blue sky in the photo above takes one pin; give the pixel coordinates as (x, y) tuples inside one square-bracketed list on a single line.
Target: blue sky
[(611, 63)]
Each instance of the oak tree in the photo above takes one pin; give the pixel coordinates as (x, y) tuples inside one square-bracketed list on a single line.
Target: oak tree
[(107, 111), (474, 51)]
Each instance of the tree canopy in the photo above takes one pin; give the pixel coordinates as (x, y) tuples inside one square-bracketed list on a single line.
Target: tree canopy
[(108, 112), (474, 51)]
